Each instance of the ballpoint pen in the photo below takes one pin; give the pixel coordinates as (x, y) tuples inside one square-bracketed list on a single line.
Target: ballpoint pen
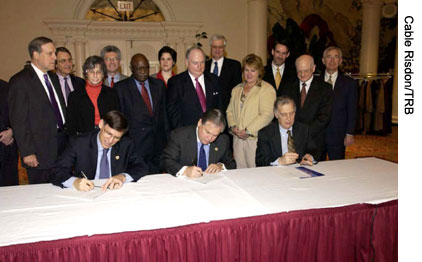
[(82, 172)]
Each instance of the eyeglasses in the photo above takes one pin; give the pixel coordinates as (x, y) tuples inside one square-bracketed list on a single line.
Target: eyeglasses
[(62, 61), (114, 59)]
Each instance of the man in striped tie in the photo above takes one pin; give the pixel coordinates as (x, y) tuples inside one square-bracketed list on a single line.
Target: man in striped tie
[(285, 142)]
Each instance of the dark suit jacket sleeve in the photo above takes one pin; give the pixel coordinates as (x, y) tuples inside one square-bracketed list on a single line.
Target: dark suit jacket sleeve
[(170, 158), (71, 116), (173, 102), (136, 166), (63, 167), (19, 115), (352, 103), (324, 111), (227, 158), (264, 155)]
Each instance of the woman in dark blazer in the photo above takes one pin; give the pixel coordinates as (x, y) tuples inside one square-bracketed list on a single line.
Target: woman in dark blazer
[(86, 106)]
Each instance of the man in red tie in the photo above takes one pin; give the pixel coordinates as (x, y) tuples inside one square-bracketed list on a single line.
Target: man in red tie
[(112, 58), (314, 96), (143, 102), (192, 92)]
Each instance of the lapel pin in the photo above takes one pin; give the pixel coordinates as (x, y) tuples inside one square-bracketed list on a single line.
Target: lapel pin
[(216, 149), (117, 157)]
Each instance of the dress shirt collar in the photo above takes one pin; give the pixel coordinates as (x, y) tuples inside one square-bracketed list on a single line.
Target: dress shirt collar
[(115, 79), (308, 84), (284, 131), (39, 72), (333, 77), (274, 67)]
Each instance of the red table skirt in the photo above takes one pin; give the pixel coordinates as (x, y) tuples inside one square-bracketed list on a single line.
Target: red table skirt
[(360, 232)]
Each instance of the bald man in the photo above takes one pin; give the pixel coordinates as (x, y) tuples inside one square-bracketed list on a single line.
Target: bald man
[(143, 102), (313, 98)]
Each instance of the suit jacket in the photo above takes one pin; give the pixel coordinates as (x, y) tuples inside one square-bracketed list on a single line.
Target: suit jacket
[(183, 104), (316, 109), (230, 76), (8, 154), (257, 110), (149, 133), (343, 111), (81, 111), (269, 143), (181, 151), (81, 155), (122, 77), (32, 117), (77, 82), (289, 75)]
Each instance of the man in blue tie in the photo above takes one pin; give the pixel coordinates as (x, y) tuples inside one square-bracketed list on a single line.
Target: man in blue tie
[(104, 154), (37, 111), (228, 70), (194, 150)]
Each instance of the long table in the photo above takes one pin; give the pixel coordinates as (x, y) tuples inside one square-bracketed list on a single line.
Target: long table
[(260, 214)]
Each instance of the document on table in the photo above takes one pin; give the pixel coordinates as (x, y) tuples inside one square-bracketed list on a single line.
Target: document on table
[(88, 196)]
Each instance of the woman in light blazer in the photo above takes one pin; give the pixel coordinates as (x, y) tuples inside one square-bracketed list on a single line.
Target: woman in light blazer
[(249, 110)]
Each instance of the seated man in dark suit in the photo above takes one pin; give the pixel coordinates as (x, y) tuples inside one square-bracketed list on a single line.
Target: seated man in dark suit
[(285, 142), (194, 150), (89, 156)]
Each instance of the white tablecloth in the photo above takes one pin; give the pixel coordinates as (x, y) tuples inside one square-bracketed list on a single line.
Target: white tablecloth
[(34, 213)]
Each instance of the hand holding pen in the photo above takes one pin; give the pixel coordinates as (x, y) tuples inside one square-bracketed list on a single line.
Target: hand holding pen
[(83, 184), (193, 171)]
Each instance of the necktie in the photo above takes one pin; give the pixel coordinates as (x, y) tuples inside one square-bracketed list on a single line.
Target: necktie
[(145, 96), (202, 161), (112, 82), (277, 78), (66, 88), (201, 96), (330, 81), (290, 142), (53, 102), (215, 72), (303, 94), (104, 168)]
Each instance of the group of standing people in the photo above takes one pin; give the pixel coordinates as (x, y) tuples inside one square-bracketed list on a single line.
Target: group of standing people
[(181, 124)]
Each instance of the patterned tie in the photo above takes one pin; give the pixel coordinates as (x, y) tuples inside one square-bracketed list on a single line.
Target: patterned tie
[(277, 78), (330, 81), (104, 168), (112, 82), (303, 94), (66, 88), (290, 142), (201, 96), (145, 96), (53, 102), (202, 161), (215, 72)]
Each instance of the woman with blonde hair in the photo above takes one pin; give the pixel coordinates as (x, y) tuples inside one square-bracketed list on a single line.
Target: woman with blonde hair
[(250, 109)]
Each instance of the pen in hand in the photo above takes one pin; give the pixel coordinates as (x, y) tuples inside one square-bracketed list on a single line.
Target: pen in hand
[(83, 174)]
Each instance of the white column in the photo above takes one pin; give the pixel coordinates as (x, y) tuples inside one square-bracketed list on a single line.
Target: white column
[(370, 36), (257, 28), (79, 56)]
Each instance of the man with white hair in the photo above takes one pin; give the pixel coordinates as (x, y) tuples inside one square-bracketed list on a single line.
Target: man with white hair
[(313, 98)]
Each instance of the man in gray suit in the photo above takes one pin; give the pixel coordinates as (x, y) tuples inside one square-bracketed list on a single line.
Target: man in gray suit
[(112, 57), (194, 150)]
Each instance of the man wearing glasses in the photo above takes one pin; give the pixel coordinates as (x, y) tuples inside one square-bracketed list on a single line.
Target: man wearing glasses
[(112, 57), (64, 68), (104, 154)]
